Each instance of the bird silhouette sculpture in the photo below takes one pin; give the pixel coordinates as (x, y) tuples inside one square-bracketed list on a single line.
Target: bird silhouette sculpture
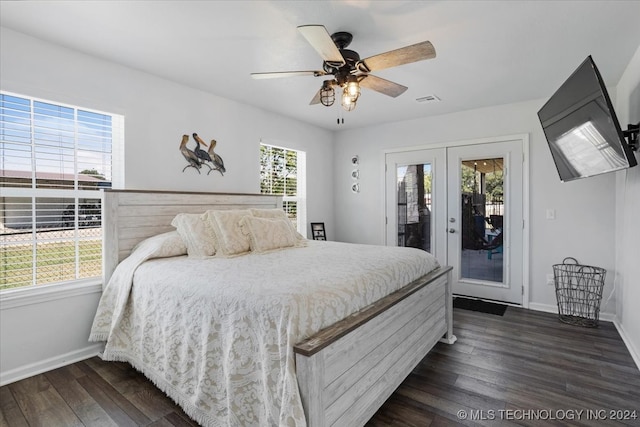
[(189, 155), (218, 163)]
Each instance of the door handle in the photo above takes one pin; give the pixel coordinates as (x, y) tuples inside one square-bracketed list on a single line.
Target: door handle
[(452, 230)]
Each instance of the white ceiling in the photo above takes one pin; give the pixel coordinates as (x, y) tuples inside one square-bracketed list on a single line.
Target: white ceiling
[(488, 52)]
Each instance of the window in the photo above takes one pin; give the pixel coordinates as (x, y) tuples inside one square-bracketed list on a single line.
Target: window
[(54, 159), (283, 172)]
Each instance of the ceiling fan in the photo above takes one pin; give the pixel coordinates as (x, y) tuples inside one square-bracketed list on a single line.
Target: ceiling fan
[(348, 70)]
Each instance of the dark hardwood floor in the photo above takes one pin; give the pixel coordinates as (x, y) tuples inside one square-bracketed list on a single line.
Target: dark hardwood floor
[(523, 368)]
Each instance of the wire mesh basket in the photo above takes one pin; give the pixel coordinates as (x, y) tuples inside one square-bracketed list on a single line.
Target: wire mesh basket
[(579, 292)]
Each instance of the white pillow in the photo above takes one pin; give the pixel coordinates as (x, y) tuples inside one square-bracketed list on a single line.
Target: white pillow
[(197, 236), (266, 234), (161, 246), (276, 213), (230, 240)]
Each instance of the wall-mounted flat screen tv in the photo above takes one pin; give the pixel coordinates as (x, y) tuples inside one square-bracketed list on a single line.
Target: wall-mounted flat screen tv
[(582, 129)]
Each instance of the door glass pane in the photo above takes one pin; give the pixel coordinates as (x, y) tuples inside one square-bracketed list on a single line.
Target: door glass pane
[(482, 218), (414, 206)]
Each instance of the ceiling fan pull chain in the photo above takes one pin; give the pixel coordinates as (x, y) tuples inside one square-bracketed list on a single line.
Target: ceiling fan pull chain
[(340, 117)]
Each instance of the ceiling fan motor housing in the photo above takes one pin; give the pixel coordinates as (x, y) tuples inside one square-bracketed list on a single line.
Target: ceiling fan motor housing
[(343, 71), (342, 39)]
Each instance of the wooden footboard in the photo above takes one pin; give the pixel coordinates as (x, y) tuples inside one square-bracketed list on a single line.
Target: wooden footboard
[(347, 371)]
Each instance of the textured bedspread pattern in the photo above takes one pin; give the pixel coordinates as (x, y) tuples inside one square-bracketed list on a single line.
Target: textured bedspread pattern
[(217, 334)]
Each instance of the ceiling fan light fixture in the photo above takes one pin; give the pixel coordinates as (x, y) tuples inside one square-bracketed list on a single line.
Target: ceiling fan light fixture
[(348, 103), (352, 88), (327, 94)]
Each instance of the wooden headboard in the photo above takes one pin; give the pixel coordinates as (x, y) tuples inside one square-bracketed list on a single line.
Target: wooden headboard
[(130, 216)]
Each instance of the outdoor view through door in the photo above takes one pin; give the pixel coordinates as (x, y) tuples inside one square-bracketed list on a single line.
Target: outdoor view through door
[(414, 206), (482, 214), (482, 218)]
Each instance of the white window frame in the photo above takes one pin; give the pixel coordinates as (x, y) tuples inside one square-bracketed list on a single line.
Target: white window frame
[(301, 186), (33, 293)]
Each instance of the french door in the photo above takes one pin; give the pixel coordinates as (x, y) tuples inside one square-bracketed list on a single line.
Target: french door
[(464, 204), (415, 190)]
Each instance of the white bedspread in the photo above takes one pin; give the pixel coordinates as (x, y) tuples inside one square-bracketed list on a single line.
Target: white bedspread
[(217, 334)]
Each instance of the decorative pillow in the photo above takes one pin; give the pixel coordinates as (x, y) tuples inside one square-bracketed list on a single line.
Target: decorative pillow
[(276, 214), (197, 236), (267, 234), (230, 240), (162, 246)]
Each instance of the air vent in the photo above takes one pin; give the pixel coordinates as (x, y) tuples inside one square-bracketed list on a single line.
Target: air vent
[(428, 98)]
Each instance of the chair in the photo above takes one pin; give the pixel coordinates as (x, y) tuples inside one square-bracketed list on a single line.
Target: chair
[(494, 246)]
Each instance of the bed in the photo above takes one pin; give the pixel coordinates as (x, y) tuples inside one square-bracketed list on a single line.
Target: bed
[(347, 350)]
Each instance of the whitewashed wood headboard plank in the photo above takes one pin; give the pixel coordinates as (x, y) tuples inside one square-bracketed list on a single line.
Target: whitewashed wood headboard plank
[(130, 216), (135, 198), (142, 211)]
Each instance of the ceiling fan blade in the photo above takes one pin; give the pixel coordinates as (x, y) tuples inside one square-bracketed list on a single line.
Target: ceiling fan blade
[(404, 55), (278, 74), (320, 39), (316, 99), (383, 86)]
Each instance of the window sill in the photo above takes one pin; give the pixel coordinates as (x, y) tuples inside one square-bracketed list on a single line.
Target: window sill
[(13, 298)]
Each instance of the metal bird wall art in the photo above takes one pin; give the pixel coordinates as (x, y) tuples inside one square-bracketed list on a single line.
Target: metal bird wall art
[(217, 161), (198, 157), (209, 156), (189, 155)]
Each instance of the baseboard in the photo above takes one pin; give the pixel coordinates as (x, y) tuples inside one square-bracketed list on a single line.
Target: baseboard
[(46, 365), (548, 308), (635, 353)]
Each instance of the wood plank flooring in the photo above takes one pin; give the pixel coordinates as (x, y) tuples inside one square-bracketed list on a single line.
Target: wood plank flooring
[(509, 370)]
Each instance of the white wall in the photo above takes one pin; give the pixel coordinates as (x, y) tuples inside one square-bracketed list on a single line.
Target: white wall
[(585, 209), (157, 112), (628, 216)]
